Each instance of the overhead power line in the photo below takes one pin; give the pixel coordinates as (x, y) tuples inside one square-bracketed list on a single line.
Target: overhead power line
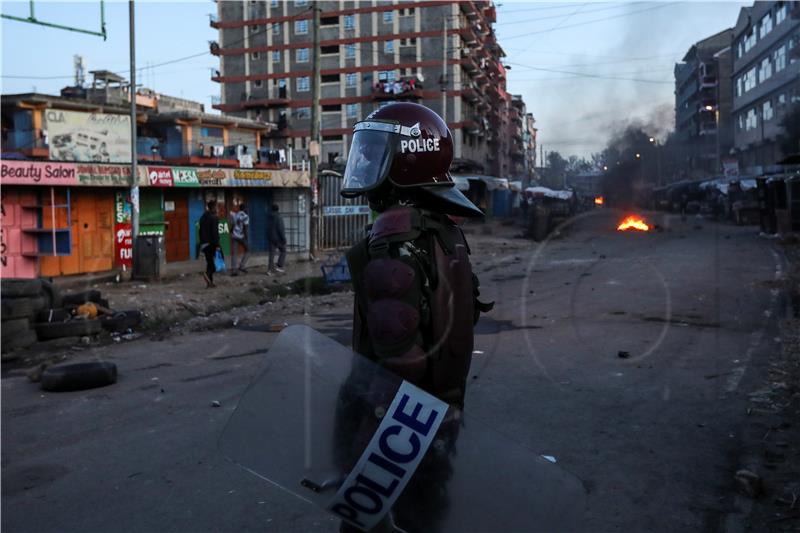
[(589, 75), (593, 21)]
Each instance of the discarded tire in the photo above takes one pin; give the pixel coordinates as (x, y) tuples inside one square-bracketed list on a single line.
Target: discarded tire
[(79, 376), (73, 328), (20, 341), (12, 328), (53, 315), (22, 307), (52, 294), (19, 288), (121, 321), (78, 298)]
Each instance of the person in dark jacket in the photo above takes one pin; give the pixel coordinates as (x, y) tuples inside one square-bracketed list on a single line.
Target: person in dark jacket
[(277, 241), (209, 240)]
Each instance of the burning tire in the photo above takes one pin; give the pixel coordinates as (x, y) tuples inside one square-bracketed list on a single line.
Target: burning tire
[(79, 376)]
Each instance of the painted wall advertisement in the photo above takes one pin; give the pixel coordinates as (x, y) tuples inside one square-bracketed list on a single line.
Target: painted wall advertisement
[(88, 137), (123, 239), (151, 176)]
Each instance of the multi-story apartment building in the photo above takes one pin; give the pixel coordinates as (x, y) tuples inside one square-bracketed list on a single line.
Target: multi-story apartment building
[(766, 80), (703, 102), (443, 54)]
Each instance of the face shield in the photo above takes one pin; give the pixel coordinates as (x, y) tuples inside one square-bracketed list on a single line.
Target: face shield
[(371, 155)]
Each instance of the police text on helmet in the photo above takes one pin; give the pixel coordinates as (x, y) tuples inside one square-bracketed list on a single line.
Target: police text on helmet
[(419, 145)]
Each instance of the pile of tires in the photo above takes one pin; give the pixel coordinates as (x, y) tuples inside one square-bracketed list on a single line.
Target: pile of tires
[(20, 302), (35, 311)]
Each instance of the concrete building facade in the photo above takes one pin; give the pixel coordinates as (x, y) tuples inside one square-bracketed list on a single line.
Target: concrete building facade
[(443, 54), (703, 103), (766, 80)]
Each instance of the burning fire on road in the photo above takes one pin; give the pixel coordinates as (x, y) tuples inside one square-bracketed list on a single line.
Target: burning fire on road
[(633, 222), (599, 200)]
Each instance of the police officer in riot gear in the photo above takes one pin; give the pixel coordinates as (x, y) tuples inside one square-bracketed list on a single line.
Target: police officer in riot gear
[(416, 298)]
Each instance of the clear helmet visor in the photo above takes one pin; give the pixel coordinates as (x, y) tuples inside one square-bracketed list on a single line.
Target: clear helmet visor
[(368, 162)]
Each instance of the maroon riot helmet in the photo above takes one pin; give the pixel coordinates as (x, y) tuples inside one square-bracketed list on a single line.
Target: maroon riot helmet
[(409, 146)]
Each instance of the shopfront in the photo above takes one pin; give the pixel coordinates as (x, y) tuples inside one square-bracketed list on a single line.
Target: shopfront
[(61, 219)]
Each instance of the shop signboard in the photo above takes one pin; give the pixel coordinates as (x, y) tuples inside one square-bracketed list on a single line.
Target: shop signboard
[(103, 175), (184, 177), (88, 137), (160, 176), (34, 173), (123, 239)]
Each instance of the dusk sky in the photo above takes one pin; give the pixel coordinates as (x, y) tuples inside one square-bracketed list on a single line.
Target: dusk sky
[(584, 69)]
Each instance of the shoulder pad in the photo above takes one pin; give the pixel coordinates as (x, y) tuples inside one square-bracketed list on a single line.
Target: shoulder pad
[(400, 223)]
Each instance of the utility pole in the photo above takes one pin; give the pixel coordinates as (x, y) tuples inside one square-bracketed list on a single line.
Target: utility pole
[(315, 148), (134, 176)]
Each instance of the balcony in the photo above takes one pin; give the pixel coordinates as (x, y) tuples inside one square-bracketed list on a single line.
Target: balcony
[(213, 21), (405, 89), (213, 47), (472, 125), (200, 154), (469, 64), (707, 82), (30, 143), (469, 94)]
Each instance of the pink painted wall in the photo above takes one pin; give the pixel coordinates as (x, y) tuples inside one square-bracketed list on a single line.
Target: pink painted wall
[(13, 242)]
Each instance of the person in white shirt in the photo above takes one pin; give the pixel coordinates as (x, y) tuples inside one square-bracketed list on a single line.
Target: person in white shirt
[(240, 221)]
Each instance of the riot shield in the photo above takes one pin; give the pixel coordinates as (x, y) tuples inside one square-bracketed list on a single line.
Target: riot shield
[(337, 430)]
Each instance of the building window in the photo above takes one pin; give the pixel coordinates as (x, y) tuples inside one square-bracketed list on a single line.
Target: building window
[(329, 78), (351, 79), (750, 79), (349, 51), (254, 28), (276, 56), (212, 132), (386, 75), (349, 22), (329, 21), (740, 49), (303, 112), (765, 72), (254, 55), (300, 27), (300, 3), (766, 110), (780, 13), (276, 28), (749, 40), (780, 58), (352, 110), (388, 16), (766, 26), (407, 12), (741, 121), (258, 84), (751, 120), (301, 55), (274, 3), (302, 84), (329, 50), (388, 47), (739, 86), (781, 99)]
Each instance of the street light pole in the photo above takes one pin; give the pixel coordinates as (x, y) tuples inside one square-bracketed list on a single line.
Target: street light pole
[(315, 148), (134, 177)]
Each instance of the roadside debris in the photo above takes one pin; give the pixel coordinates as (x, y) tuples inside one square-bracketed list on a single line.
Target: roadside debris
[(549, 458), (216, 403)]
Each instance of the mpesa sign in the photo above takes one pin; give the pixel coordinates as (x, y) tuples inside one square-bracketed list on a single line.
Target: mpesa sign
[(391, 458)]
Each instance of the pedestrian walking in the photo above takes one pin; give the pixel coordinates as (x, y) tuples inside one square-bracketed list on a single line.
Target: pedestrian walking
[(277, 241), (240, 221), (209, 240)]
